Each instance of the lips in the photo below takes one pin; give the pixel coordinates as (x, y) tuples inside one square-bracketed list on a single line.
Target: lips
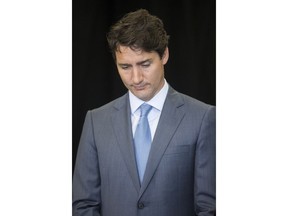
[(139, 87)]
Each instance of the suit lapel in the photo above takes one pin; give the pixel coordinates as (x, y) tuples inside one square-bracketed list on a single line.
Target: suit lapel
[(171, 116), (122, 127)]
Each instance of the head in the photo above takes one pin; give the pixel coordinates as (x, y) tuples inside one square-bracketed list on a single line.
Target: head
[(139, 45), (138, 30)]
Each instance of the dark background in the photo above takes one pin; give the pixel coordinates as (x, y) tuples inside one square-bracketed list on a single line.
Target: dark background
[(191, 67)]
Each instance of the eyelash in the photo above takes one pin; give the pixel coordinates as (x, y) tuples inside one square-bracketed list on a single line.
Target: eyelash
[(145, 65), (124, 67)]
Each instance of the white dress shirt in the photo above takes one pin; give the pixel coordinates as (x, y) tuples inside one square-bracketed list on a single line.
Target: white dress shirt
[(156, 102)]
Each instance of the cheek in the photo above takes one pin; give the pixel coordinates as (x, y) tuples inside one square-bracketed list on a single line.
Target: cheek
[(157, 75), (125, 77)]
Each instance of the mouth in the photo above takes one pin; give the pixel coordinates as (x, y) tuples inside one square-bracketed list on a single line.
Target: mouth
[(139, 87)]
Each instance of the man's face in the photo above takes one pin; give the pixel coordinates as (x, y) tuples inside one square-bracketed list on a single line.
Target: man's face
[(141, 72)]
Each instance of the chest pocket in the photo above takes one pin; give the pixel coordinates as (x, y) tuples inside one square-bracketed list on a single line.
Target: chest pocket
[(177, 150)]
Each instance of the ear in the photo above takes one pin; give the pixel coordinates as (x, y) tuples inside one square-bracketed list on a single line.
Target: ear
[(165, 56)]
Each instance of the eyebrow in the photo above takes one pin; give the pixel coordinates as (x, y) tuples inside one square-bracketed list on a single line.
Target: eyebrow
[(138, 63)]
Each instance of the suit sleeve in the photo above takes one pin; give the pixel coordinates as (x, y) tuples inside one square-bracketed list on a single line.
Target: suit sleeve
[(205, 166), (86, 179)]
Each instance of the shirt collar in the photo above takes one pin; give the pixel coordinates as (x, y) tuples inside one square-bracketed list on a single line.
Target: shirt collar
[(157, 101)]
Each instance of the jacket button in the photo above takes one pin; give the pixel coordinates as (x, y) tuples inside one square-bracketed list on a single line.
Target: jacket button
[(140, 205)]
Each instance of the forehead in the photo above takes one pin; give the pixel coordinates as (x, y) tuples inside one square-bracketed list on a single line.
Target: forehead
[(126, 54)]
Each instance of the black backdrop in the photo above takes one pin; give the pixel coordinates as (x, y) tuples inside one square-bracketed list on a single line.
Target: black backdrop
[(190, 69)]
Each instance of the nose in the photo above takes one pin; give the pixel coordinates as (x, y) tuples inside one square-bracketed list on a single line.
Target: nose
[(137, 76)]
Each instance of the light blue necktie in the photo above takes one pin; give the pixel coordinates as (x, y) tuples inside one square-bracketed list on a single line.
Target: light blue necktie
[(142, 140)]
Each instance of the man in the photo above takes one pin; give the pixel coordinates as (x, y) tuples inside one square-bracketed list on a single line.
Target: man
[(150, 152)]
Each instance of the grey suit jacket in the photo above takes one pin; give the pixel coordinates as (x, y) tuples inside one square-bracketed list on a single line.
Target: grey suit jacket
[(180, 175)]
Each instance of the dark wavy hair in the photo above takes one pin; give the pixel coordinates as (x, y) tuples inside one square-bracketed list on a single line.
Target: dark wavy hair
[(138, 30)]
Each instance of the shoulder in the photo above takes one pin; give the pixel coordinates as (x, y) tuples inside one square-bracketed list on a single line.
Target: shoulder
[(196, 104), (189, 102), (199, 110), (106, 109)]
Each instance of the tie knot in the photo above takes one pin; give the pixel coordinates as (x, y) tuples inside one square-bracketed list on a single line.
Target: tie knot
[(145, 109)]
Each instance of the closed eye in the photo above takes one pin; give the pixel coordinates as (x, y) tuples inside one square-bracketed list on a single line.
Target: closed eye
[(124, 67), (146, 65)]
